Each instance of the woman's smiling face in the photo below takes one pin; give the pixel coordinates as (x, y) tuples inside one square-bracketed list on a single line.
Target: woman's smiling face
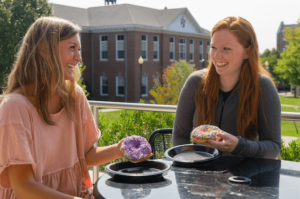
[(227, 53), (70, 55)]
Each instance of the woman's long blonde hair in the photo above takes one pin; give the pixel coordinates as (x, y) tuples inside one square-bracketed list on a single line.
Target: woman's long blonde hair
[(249, 87), (38, 62)]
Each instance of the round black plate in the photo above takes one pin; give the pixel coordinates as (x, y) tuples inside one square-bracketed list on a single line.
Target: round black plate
[(137, 172), (203, 150)]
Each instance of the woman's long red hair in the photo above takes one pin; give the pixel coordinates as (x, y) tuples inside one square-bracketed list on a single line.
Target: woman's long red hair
[(249, 87)]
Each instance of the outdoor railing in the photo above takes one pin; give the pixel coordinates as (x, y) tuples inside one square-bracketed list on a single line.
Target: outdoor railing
[(291, 116)]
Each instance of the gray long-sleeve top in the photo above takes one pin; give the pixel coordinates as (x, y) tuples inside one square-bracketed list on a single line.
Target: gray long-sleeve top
[(268, 143)]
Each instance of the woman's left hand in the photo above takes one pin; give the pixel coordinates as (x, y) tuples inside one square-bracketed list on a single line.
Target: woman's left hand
[(119, 145), (227, 144)]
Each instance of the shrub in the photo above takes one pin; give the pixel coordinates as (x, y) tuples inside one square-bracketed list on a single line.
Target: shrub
[(81, 80), (291, 152), (141, 123)]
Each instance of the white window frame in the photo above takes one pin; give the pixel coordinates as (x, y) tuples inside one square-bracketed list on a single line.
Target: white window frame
[(193, 50), (117, 94), (146, 42), (179, 44), (157, 48), (173, 49), (101, 46), (145, 95), (208, 49), (101, 90), (284, 40), (283, 49), (201, 51), (117, 46)]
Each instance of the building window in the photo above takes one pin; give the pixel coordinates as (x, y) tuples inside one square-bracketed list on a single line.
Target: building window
[(172, 49), (156, 80), (208, 48), (144, 86), (283, 49), (283, 40), (103, 48), (155, 48), (182, 49), (144, 47), (191, 50), (120, 47), (103, 86), (201, 51), (120, 86)]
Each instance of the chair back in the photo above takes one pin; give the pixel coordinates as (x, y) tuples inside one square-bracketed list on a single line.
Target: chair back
[(160, 140)]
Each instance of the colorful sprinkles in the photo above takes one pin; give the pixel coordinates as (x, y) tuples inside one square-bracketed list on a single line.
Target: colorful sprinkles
[(205, 132), (135, 148)]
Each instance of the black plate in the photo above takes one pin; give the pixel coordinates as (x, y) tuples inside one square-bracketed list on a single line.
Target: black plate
[(203, 150), (149, 170)]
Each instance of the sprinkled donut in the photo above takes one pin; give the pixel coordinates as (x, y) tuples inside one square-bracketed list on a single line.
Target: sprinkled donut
[(136, 148), (202, 133)]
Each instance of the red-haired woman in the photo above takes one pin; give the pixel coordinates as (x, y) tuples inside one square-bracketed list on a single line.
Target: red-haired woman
[(234, 93)]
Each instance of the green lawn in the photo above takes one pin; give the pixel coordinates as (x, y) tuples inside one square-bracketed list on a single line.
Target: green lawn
[(112, 115), (287, 127), (290, 109), (290, 100)]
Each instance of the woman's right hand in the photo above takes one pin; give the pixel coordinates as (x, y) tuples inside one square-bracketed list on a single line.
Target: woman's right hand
[(119, 145)]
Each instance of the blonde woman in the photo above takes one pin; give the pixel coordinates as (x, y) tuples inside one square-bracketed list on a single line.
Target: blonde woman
[(47, 132), (234, 93)]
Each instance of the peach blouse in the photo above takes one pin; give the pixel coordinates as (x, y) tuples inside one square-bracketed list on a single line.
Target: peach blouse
[(56, 153)]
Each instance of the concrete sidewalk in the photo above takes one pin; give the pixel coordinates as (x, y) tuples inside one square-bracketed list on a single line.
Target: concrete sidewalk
[(288, 94), (288, 139), (287, 105)]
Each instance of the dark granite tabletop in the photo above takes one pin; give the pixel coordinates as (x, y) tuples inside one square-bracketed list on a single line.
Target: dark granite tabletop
[(269, 179)]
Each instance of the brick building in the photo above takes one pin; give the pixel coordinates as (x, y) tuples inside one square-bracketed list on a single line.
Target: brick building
[(114, 37), (281, 43)]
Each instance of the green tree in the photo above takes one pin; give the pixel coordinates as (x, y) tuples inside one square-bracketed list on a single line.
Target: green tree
[(15, 18), (172, 80), (272, 57), (80, 81), (289, 66)]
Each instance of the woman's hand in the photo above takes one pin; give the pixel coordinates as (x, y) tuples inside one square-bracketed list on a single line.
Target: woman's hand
[(140, 160), (119, 145), (227, 144)]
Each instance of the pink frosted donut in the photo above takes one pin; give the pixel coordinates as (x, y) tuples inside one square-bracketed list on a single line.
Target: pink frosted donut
[(136, 148), (202, 133)]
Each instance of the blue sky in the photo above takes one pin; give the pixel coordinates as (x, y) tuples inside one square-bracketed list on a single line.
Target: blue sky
[(264, 15)]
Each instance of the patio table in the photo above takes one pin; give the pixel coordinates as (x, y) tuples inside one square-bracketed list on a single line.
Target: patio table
[(269, 179)]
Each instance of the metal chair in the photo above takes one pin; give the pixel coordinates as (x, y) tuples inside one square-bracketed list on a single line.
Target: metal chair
[(160, 140)]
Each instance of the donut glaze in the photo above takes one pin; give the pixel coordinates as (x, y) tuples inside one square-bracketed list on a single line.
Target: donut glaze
[(135, 148), (204, 132)]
